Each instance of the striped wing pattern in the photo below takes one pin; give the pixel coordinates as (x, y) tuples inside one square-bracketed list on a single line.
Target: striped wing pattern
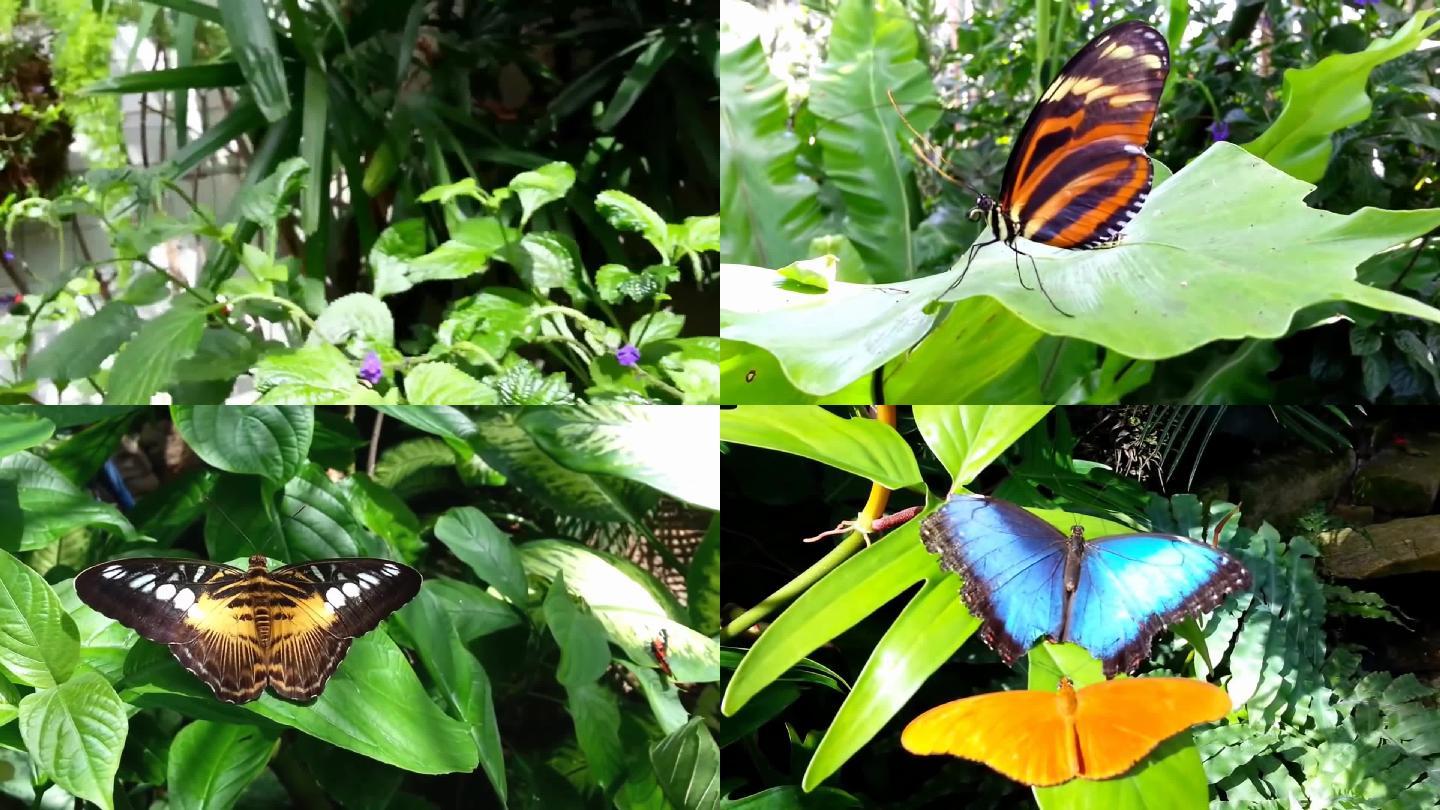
[(1079, 170), (241, 631)]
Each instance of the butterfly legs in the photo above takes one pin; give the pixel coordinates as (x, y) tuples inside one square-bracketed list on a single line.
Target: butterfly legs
[(969, 259), (1038, 280)]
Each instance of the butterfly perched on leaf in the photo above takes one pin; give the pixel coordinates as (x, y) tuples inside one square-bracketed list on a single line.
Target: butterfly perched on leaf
[(1047, 738), (240, 631), (1079, 170), (1027, 580)]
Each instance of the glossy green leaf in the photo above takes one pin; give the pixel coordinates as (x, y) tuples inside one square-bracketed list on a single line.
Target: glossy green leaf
[(392, 253), (636, 80), (477, 542), (629, 603), (874, 50), (211, 764), (241, 519), (77, 352), (1327, 97), (770, 208), (687, 764), (47, 505), (444, 384), (750, 375), (940, 369), (360, 317), (541, 186), (39, 643), (23, 434), (472, 610), (584, 651), (268, 441), (445, 422), (191, 77), (702, 582), (596, 713), (74, 733), (655, 445), (865, 447), (662, 696), (252, 40), (625, 213), (967, 438), (324, 527), (384, 513), (842, 598), (148, 361)]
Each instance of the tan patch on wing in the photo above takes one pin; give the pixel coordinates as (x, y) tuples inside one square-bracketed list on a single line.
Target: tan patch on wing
[(303, 654)]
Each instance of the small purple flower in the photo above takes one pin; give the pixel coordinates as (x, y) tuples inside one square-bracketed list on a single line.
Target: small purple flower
[(1364, 3), (1220, 131), (371, 369), (9, 257), (627, 355)]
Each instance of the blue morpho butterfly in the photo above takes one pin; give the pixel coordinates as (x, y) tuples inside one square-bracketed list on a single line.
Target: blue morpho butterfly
[(1026, 580)]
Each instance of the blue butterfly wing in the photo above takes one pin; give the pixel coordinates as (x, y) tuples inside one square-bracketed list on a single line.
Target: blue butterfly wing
[(1013, 564), (1132, 586)]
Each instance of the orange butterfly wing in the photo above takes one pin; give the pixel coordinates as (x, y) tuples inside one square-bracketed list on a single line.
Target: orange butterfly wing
[(1028, 736), (1119, 722)]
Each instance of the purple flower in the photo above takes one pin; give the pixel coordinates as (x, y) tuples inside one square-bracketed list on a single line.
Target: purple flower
[(627, 355), (9, 257), (370, 368), (1364, 3), (1220, 131)]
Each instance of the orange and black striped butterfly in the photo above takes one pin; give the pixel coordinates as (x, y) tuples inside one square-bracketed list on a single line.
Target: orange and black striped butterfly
[(1079, 171), (660, 649), (240, 631)]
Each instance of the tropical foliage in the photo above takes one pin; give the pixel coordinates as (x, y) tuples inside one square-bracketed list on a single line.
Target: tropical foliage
[(524, 668)]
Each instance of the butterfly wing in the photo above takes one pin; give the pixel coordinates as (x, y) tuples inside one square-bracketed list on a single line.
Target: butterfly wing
[(1012, 563), (1119, 722), (1132, 586), (318, 607), (1079, 171), (1026, 735), (201, 610)]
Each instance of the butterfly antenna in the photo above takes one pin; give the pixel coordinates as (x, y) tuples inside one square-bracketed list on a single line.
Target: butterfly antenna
[(920, 153)]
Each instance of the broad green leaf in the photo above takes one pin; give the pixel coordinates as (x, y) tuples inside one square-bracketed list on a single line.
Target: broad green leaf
[(472, 610), (662, 696), (324, 527), (629, 603), (252, 41), (444, 384), (637, 78), (750, 375), (596, 713), (625, 213), (78, 352), (311, 375), (687, 763), (268, 441), (584, 652), (74, 733), (477, 542), (1323, 99), (468, 251), (928, 373), (148, 361), (459, 677), (523, 384), (874, 49), (241, 519), (967, 438), (656, 445), (868, 448), (270, 200), (493, 321), (23, 434), (392, 253), (47, 506), (221, 355), (770, 208), (540, 186), (547, 261), (384, 513), (445, 422), (702, 581), (211, 763), (39, 643), (360, 317)]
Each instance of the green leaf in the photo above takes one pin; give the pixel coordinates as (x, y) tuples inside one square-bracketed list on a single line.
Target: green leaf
[(39, 643), (655, 445), (868, 448), (319, 524), (629, 603), (386, 514), (524, 384), (1321, 100), (584, 653), (311, 375), (770, 208), (472, 609), (687, 763), (211, 764), (241, 519), (268, 441), (392, 253), (75, 732), (221, 355), (147, 363), (23, 434), (78, 352), (48, 506), (359, 317), (252, 41), (702, 582), (541, 186), (468, 251), (494, 321), (475, 540), (596, 713), (270, 200), (637, 78), (444, 384), (547, 261), (967, 438), (104, 642), (873, 50), (625, 213)]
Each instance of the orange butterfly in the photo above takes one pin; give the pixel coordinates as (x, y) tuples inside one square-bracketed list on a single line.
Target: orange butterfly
[(1047, 738)]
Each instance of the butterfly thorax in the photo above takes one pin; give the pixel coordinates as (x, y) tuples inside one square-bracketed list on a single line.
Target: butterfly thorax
[(990, 211), (1074, 551)]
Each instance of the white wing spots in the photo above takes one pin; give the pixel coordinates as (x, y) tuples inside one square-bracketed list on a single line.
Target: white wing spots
[(164, 592), (329, 609), (199, 574), (366, 580), (334, 597), (390, 570), (1129, 98), (195, 612), (351, 589), (184, 599), (1086, 85), (1103, 91), (1152, 61), (142, 580), (1132, 149), (315, 572), (112, 572), (1118, 52), (1061, 88)]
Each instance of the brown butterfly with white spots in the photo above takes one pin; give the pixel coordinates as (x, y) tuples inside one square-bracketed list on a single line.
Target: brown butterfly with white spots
[(240, 631)]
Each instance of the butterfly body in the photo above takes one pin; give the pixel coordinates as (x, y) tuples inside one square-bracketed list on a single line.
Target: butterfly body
[(660, 649), (1112, 595), (240, 631), (1047, 738)]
